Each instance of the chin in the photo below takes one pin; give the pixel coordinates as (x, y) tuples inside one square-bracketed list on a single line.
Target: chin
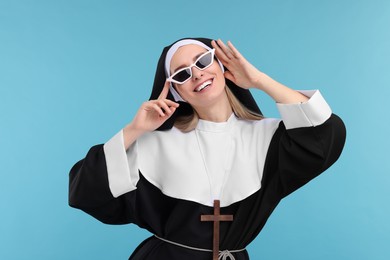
[(208, 99)]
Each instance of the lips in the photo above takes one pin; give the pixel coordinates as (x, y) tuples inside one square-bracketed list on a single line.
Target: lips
[(204, 85)]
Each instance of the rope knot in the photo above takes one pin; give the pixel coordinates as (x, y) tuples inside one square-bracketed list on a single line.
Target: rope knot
[(223, 255)]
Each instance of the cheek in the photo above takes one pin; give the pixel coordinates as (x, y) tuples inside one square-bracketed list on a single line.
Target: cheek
[(218, 71), (181, 89), (221, 77)]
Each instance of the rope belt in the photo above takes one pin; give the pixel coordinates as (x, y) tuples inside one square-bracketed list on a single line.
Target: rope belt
[(223, 255)]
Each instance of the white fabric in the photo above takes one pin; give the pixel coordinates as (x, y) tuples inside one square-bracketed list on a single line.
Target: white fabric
[(175, 94), (314, 112), (121, 177), (168, 59), (234, 152), (172, 161)]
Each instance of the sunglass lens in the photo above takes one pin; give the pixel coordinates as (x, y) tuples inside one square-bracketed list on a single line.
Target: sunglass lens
[(205, 61), (183, 75)]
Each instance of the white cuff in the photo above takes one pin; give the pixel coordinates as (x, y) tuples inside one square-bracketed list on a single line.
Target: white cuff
[(117, 161), (314, 112)]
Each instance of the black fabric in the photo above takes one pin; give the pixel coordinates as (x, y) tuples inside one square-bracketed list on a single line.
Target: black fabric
[(294, 158), (243, 95), (89, 190)]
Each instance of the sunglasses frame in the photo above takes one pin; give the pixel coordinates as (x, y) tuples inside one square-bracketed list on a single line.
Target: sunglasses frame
[(212, 51)]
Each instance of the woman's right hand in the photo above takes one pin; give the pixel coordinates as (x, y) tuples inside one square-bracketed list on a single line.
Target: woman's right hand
[(150, 116)]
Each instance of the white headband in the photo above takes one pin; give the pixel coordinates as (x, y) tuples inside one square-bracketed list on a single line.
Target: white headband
[(169, 56)]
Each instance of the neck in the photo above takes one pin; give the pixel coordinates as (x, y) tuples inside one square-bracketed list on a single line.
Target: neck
[(217, 112)]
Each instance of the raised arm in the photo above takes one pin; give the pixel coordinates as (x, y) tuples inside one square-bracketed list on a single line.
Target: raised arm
[(151, 115), (245, 75), (309, 139), (100, 183)]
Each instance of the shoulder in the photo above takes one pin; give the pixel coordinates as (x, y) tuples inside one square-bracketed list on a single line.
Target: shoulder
[(174, 132), (264, 126), (169, 136), (255, 135)]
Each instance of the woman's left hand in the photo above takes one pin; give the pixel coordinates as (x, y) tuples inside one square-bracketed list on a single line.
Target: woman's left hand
[(240, 71)]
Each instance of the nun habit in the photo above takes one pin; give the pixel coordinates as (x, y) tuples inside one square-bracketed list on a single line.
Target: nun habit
[(167, 179)]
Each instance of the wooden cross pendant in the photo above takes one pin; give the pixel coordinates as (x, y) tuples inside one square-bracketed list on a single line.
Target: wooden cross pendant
[(216, 218)]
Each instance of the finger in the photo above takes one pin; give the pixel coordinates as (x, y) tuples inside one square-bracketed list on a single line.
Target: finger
[(229, 76), (173, 110), (171, 103), (220, 54), (163, 106), (164, 92), (169, 113), (235, 52), (158, 109), (225, 49)]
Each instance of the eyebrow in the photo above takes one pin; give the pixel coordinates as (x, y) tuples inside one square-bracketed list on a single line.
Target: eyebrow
[(194, 59)]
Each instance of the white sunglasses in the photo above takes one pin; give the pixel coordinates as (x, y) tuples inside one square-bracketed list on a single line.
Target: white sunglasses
[(203, 62)]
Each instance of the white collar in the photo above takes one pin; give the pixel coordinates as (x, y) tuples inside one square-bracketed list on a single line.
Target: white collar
[(210, 126)]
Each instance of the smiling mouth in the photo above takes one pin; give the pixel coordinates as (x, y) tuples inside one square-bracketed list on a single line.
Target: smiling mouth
[(204, 85)]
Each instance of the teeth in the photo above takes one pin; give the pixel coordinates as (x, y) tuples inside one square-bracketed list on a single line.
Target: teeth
[(205, 84)]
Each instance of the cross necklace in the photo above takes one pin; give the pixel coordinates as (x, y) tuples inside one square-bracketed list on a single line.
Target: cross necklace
[(216, 217)]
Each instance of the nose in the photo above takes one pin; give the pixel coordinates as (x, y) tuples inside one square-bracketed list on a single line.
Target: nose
[(196, 73)]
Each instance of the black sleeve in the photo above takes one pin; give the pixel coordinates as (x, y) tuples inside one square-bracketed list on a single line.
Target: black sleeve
[(89, 190), (299, 155)]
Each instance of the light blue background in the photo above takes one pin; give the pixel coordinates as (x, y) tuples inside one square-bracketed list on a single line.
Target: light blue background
[(74, 72)]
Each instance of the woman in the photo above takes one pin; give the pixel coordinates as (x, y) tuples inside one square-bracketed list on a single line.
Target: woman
[(212, 147)]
